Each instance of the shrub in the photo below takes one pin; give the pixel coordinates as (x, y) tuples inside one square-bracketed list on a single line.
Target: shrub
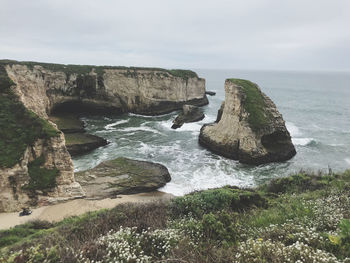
[(212, 200), (41, 178)]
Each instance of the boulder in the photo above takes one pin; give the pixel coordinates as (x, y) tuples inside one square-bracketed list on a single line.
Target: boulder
[(189, 114), (249, 127), (122, 176)]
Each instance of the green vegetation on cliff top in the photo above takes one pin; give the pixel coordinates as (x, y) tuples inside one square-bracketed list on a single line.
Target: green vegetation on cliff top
[(19, 127), (254, 104), (301, 218), (85, 69)]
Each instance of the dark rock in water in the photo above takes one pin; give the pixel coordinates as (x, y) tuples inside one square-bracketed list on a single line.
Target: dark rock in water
[(248, 128), (122, 176), (189, 114), (210, 93), (218, 118), (80, 143)]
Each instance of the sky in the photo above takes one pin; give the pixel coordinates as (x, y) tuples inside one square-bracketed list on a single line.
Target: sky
[(220, 34)]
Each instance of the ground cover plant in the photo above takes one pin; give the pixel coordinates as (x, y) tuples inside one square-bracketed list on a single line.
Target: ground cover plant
[(300, 218)]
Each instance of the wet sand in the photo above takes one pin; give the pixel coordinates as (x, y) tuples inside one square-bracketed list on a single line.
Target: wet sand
[(57, 212)]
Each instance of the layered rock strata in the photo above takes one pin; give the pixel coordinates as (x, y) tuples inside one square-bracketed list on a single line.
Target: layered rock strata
[(77, 141), (249, 127), (44, 88)]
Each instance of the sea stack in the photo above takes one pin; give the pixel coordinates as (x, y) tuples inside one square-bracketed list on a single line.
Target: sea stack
[(249, 127)]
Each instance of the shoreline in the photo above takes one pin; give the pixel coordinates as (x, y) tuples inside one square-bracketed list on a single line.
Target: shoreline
[(57, 212)]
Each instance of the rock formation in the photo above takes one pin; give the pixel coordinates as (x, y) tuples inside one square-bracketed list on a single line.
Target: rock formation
[(35, 166), (77, 141), (44, 88), (210, 93), (122, 176), (249, 127), (189, 114)]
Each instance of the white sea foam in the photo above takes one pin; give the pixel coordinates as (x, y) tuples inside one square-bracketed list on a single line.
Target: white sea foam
[(205, 177), (302, 141), (148, 116), (192, 126), (137, 129), (347, 160), (293, 129), (111, 125)]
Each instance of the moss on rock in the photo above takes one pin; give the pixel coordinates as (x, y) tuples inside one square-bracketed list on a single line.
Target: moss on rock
[(253, 103), (41, 178), (19, 127)]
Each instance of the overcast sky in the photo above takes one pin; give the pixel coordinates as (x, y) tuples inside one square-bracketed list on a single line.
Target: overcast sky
[(247, 34)]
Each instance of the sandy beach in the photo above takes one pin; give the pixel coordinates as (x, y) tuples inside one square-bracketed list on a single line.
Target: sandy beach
[(57, 212)]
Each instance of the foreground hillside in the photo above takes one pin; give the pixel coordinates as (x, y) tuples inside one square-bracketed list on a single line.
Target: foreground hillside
[(302, 218)]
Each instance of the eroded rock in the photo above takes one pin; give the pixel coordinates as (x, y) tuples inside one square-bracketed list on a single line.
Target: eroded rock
[(189, 114), (249, 127), (122, 176), (77, 141)]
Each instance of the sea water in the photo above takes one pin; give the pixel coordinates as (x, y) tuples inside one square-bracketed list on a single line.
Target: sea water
[(315, 106)]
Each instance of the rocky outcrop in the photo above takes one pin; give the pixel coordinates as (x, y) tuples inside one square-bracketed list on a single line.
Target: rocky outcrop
[(38, 168), (122, 176), (189, 114), (18, 187), (44, 88), (77, 141), (249, 127)]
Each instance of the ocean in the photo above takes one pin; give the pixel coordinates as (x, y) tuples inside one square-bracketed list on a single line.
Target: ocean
[(315, 106)]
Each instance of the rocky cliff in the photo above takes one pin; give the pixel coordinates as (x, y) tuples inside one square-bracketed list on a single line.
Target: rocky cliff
[(249, 127), (47, 87), (35, 166)]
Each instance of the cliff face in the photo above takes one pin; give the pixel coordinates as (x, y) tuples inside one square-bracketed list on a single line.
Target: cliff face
[(249, 127), (35, 166), (20, 186), (104, 89)]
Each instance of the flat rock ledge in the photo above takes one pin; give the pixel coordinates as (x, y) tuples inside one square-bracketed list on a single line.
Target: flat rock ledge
[(122, 176), (77, 141), (81, 143), (248, 128), (189, 114)]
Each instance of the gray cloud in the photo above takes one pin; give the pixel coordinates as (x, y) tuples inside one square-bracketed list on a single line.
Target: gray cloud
[(250, 34)]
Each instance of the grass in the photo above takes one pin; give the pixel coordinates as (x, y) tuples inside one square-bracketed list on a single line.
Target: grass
[(19, 127), (85, 69), (41, 178), (254, 104), (79, 138), (127, 166), (303, 217)]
